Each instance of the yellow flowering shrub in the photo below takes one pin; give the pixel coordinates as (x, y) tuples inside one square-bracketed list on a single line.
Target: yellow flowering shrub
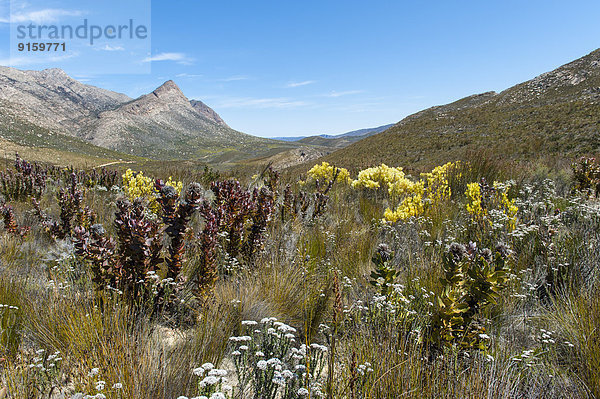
[(377, 177), (473, 194), (412, 205), (438, 187), (325, 173), (414, 197), (498, 200), (136, 185), (507, 205)]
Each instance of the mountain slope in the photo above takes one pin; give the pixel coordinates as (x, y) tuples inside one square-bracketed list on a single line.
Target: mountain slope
[(165, 125), (333, 142), (207, 112), (47, 107), (361, 133), (555, 113), (51, 99)]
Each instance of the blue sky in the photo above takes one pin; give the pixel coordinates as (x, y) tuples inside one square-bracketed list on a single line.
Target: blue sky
[(284, 68)]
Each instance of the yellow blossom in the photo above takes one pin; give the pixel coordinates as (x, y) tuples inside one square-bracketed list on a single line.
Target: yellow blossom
[(136, 185), (325, 173)]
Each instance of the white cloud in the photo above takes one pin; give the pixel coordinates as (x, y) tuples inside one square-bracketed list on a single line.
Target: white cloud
[(111, 48), (41, 16), (335, 94), (177, 57), (248, 102), (234, 78), (298, 84), (188, 75)]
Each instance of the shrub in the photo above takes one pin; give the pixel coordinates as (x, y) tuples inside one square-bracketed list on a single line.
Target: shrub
[(136, 185), (176, 217), (490, 205), (473, 280), (326, 174), (10, 221), (586, 173), (25, 181)]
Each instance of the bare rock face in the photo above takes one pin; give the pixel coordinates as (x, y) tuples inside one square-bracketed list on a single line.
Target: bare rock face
[(167, 96), (171, 93), (207, 112), (51, 99)]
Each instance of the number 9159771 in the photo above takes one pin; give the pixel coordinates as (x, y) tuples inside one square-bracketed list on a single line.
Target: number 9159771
[(48, 46)]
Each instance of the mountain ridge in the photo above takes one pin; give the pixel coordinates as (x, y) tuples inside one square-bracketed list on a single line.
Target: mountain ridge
[(557, 112), (162, 124)]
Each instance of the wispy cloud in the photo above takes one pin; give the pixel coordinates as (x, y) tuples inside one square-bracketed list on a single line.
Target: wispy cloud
[(23, 61), (298, 84), (177, 57), (335, 94), (41, 16), (188, 75), (234, 78), (111, 48), (248, 102)]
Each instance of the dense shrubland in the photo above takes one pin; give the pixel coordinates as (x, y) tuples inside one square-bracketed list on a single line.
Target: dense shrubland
[(471, 280)]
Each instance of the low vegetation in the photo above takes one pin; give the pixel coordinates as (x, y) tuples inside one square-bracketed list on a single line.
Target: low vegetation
[(471, 280)]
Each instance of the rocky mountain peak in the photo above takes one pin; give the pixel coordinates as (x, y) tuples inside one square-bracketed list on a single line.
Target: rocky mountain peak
[(170, 92), (55, 72)]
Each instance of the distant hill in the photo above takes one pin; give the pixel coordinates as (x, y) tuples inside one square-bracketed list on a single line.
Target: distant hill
[(354, 133), (49, 108), (361, 132), (556, 113)]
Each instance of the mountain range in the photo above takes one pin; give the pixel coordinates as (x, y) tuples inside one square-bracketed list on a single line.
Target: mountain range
[(554, 114), (355, 133), (49, 108)]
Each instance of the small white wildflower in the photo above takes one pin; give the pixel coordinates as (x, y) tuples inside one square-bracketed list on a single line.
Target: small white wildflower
[(302, 392), (262, 365), (198, 371), (208, 366), (118, 385), (210, 380), (287, 374), (273, 361), (217, 372)]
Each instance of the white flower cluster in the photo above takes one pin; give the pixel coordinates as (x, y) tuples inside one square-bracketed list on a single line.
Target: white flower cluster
[(268, 364), (42, 362), (213, 379), (100, 385), (364, 369)]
